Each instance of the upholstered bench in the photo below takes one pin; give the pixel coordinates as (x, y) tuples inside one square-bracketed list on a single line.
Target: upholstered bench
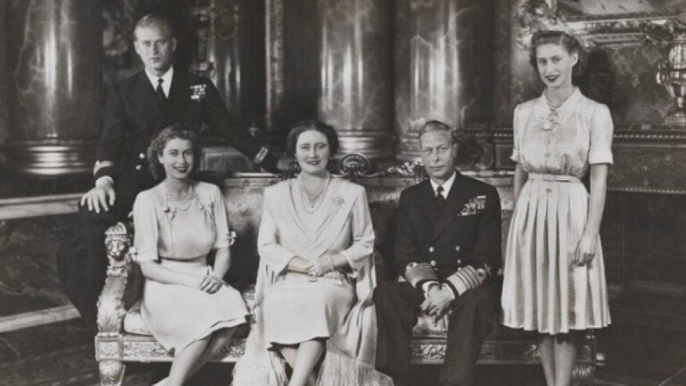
[(123, 337)]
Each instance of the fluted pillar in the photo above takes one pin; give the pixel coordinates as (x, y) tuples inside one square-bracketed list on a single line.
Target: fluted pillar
[(355, 93), (230, 39), (443, 66), (4, 79), (55, 75)]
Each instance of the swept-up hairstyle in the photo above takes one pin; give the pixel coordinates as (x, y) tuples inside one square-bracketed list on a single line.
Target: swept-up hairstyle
[(303, 126), (569, 42)]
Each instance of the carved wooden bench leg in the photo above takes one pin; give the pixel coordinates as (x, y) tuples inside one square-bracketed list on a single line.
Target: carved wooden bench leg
[(582, 374), (112, 373)]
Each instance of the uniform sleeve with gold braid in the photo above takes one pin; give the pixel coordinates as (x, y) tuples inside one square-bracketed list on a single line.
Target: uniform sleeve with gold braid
[(418, 273), (466, 278)]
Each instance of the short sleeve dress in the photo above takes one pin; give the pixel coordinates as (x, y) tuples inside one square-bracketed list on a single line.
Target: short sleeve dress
[(543, 291), (179, 238)]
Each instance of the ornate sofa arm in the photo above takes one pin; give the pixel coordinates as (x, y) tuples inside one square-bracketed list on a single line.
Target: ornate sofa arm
[(111, 308)]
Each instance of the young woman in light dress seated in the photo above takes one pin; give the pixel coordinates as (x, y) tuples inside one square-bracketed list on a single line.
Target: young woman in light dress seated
[(313, 295), (186, 304)]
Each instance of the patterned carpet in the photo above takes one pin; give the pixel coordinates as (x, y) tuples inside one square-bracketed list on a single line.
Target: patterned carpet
[(61, 354)]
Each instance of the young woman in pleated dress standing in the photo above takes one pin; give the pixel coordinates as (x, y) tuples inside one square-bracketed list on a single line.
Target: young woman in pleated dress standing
[(554, 270)]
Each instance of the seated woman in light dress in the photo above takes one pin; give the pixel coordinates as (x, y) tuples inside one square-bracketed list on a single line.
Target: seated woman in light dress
[(186, 304), (313, 297)]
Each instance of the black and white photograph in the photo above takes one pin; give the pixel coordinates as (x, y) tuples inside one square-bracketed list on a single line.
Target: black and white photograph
[(342, 192)]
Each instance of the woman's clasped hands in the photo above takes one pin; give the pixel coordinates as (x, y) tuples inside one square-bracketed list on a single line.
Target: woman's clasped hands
[(211, 284), (321, 266)]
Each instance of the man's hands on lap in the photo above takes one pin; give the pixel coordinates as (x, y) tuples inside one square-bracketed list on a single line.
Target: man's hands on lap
[(101, 196), (438, 301)]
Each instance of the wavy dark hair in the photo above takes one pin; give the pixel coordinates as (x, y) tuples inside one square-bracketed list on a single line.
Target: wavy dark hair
[(175, 130), (303, 126), (569, 42)]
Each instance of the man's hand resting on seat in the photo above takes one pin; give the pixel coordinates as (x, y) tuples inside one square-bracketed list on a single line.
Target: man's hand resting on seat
[(102, 195)]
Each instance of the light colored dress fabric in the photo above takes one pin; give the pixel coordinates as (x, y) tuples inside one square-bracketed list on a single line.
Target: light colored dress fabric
[(292, 309), (542, 290), (180, 238)]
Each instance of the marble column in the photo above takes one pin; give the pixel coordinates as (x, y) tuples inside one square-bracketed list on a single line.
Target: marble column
[(4, 79), (443, 66), (355, 92), (55, 74)]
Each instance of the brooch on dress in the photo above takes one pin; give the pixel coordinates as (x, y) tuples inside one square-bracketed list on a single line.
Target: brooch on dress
[(552, 121), (337, 201)]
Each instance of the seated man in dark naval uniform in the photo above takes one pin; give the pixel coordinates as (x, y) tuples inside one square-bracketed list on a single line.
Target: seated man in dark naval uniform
[(447, 246), (137, 108)]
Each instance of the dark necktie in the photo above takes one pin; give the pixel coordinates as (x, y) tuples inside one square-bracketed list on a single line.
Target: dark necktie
[(159, 92), (440, 200)]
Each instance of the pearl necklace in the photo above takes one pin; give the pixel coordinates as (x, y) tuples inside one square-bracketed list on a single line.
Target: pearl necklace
[(554, 106), (181, 205), (307, 198)]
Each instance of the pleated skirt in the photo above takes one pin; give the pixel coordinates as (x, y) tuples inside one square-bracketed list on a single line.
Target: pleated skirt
[(543, 290)]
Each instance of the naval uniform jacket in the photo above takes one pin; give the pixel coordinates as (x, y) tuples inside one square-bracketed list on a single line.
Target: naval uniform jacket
[(133, 117), (459, 244)]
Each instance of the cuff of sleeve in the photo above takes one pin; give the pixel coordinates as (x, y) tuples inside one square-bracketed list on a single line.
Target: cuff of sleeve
[(259, 157), (266, 160), (600, 159), (515, 155), (465, 279), (103, 168), (417, 273), (341, 259), (222, 244), (145, 256), (282, 267), (452, 289)]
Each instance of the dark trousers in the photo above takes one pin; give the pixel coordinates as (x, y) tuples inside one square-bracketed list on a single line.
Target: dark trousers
[(82, 258), (471, 320)]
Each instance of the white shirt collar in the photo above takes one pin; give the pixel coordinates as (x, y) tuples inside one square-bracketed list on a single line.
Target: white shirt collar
[(446, 185), (167, 77)]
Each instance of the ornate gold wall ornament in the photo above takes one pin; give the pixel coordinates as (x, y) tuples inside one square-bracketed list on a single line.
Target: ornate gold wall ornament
[(615, 30)]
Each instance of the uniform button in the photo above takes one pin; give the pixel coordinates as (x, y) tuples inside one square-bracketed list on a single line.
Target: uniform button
[(139, 167), (141, 156), (433, 263), (459, 262), (548, 190), (549, 141), (457, 248), (431, 249)]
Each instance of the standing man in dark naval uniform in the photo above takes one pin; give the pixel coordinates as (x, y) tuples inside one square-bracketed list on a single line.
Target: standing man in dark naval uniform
[(447, 246), (137, 109)]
